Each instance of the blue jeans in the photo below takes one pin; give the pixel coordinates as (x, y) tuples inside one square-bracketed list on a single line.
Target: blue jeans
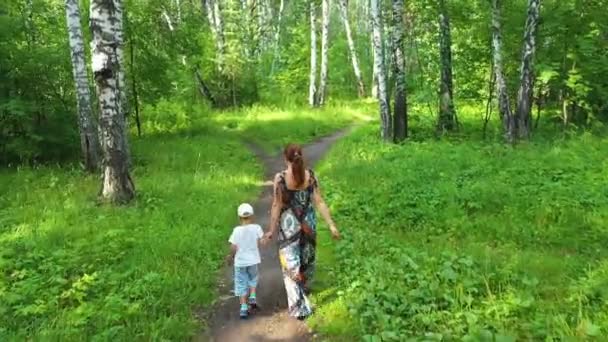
[(245, 278)]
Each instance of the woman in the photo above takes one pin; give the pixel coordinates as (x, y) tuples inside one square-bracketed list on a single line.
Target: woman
[(296, 189)]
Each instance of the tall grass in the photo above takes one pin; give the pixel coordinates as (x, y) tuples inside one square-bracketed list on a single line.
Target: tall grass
[(72, 270)]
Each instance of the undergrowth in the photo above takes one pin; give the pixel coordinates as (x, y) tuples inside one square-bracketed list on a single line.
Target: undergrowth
[(72, 270), (447, 239)]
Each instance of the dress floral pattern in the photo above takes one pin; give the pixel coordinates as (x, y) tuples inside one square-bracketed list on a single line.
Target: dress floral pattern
[(297, 243)]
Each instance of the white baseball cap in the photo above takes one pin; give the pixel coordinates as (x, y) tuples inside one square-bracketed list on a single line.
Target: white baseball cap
[(245, 210)]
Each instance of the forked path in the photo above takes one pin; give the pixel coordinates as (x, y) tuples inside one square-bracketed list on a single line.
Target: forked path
[(271, 323)]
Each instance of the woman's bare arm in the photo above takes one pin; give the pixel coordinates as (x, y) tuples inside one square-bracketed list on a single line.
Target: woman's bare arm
[(275, 209), (324, 210)]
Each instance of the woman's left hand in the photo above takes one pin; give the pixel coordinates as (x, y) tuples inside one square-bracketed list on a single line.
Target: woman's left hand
[(335, 233)]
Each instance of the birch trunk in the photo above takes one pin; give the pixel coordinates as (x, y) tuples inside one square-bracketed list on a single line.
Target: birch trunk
[(118, 28), (374, 68), (502, 94), (400, 115), (385, 110), (447, 114), (89, 142), (351, 47), (117, 186), (526, 83), (214, 16), (312, 89), (277, 37), (221, 41), (324, 52)]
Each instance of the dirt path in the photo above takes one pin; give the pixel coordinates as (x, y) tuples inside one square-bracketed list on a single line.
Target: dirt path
[(271, 323)]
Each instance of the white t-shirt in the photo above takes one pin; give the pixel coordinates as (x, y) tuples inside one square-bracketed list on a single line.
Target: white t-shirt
[(246, 239)]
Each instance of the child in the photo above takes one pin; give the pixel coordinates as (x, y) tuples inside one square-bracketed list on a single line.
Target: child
[(244, 242)]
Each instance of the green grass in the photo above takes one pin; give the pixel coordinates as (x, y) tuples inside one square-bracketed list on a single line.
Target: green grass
[(72, 270), (457, 238), (273, 128)]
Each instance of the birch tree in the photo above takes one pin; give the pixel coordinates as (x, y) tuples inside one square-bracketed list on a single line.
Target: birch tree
[(277, 37), (526, 83), (216, 23), (324, 51), (343, 5), (385, 110), (120, 54), (400, 115), (502, 94), (117, 186), (312, 88), (89, 142), (447, 120)]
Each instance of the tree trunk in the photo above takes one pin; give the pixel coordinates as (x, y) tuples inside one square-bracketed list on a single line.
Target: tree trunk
[(491, 86), (203, 89), (221, 41), (122, 83), (118, 27), (526, 82), (89, 142), (214, 15), (374, 72), (400, 114), (447, 113), (351, 46), (117, 186), (385, 110), (324, 52), (134, 87), (277, 37), (502, 94), (312, 89)]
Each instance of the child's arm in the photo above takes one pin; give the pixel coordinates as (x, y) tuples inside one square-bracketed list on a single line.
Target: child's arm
[(262, 240), (230, 257)]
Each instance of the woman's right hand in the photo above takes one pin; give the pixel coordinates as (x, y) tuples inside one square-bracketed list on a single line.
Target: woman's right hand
[(335, 233), (268, 236)]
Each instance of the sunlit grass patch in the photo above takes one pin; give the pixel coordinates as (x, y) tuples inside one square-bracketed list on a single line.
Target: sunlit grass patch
[(451, 238)]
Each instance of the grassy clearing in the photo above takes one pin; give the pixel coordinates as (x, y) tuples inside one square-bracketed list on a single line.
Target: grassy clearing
[(456, 239), (72, 270)]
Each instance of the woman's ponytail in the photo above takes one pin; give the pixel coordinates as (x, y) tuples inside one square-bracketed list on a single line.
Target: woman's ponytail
[(293, 154)]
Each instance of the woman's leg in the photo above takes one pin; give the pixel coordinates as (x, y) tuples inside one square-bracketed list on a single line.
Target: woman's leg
[(298, 303)]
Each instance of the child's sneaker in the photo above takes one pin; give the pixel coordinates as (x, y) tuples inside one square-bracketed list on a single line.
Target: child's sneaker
[(253, 303), (244, 312)]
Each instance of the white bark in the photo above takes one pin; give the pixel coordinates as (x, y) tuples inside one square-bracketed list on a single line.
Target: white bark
[(89, 142), (168, 20), (400, 108), (501, 87), (312, 89), (526, 82), (277, 36), (117, 186), (374, 66), (385, 110), (324, 51), (219, 24), (351, 47), (447, 120), (214, 16)]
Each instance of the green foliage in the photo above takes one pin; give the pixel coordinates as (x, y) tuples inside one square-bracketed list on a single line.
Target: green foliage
[(73, 270), (459, 240)]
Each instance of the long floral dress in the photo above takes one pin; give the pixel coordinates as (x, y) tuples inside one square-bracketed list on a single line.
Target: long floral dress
[(297, 243)]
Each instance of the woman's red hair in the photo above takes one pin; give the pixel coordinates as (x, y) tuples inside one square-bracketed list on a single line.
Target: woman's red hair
[(293, 154)]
